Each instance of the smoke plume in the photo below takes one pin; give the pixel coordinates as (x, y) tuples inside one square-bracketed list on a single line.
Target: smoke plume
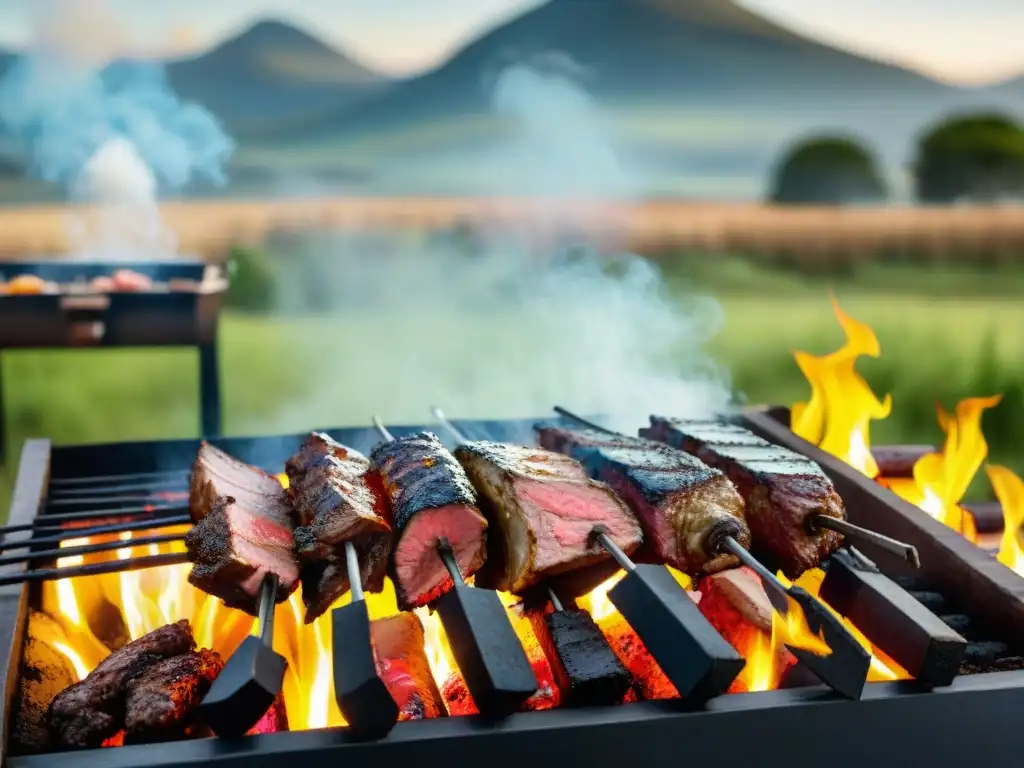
[(112, 133), (501, 322)]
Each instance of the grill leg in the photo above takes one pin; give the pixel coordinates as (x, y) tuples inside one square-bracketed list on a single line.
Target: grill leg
[(209, 390)]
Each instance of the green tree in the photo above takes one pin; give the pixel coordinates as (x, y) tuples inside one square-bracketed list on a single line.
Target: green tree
[(970, 157), (829, 170)]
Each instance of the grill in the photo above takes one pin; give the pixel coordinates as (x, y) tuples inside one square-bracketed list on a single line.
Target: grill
[(972, 720), (181, 309)]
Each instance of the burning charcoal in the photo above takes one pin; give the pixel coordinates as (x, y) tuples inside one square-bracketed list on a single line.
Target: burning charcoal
[(89, 711), (274, 721), (160, 702), (783, 490), (685, 507), (543, 509), (243, 530), (735, 604), (44, 673), (431, 498), (584, 666), (649, 680), (402, 665)]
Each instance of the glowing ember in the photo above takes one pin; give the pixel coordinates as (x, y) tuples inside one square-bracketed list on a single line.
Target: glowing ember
[(842, 405), (941, 479), (1009, 490)]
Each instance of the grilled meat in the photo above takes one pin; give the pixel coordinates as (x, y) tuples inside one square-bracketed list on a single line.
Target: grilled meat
[(314, 450), (783, 490), (325, 580), (402, 665), (337, 500), (546, 509), (430, 498), (243, 531), (685, 507), (90, 711), (160, 702)]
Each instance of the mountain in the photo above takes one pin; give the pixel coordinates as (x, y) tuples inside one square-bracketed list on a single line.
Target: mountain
[(272, 72), (693, 52)]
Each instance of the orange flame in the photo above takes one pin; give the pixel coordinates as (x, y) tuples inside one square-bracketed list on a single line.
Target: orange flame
[(941, 479), (836, 418), (1009, 490)]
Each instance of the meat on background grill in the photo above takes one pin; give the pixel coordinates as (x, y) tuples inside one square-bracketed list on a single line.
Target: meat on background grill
[(430, 498), (243, 530), (90, 711), (782, 489), (403, 666), (544, 508), (160, 702), (337, 499), (686, 508)]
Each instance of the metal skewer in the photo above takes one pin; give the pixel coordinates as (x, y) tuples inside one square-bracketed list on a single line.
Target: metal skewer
[(361, 695), (252, 677), (486, 648), (845, 669), (907, 551)]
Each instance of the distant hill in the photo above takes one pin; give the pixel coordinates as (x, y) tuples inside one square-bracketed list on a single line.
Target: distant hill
[(698, 52)]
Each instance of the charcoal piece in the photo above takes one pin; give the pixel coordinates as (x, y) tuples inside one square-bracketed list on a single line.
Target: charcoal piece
[(694, 657), (959, 623), (44, 673), (585, 668), (985, 652), (88, 712), (1005, 664), (362, 696), (933, 601), (398, 645)]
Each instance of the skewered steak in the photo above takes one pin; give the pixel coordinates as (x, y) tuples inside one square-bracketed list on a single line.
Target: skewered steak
[(546, 509), (88, 712), (403, 666), (783, 490), (431, 498), (337, 500), (160, 702), (243, 530), (686, 508)]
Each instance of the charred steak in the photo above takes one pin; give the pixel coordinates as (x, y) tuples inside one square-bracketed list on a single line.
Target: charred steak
[(546, 508), (431, 498), (783, 490), (685, 507), (337, 499), (243, 530), (160, 703), (90, 711)]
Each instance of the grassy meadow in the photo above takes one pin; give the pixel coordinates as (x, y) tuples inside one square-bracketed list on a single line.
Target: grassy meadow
[(944, 335)]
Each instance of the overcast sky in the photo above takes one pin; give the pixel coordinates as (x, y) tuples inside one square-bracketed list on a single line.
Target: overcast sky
[(957, 40)]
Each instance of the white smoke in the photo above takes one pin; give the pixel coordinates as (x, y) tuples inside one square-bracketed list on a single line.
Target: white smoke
[(509, 324), (111, 132)]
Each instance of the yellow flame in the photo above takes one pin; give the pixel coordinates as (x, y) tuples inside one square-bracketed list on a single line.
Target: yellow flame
[(941, 479), (1009, 490), (837, 416)]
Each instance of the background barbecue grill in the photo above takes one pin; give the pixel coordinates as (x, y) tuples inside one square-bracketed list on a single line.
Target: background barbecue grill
[(973, 721), (161, 317)]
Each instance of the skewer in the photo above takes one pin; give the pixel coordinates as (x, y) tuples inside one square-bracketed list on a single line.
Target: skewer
[(486, 649), (845, 669), (42, 523), (252, 677), (362, 697), (854, 532), (583, 664), (95, 569)]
